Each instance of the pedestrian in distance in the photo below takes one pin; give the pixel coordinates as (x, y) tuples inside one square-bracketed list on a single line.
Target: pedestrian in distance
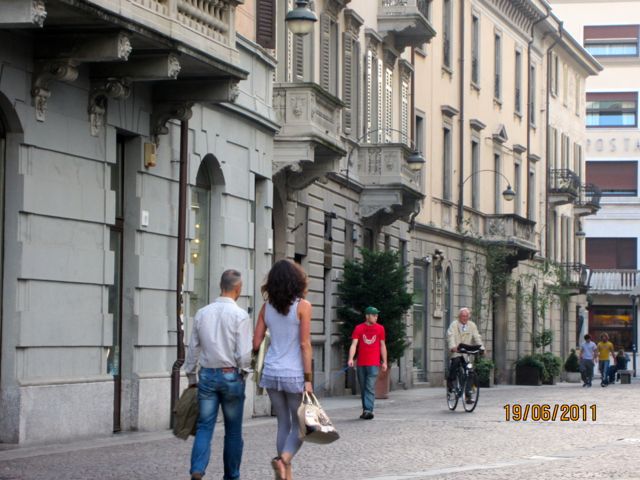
[(221, 344), (369, 341), (588, 353), (606, 351), (287, 364), (622, 359), (465, 331)]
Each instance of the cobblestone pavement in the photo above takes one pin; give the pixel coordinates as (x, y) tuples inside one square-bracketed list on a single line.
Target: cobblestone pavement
[(413, 436)]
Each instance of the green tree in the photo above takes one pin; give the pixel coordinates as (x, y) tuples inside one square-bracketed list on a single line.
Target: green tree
[(378, 280)]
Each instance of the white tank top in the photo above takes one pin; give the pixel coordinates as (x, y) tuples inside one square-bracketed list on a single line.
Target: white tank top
[(284, 357)]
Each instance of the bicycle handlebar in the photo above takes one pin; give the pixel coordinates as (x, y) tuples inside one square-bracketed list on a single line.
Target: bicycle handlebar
[(471, 349)]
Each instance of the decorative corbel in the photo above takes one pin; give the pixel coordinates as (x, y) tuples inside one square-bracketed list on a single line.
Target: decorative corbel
[(38, 12), (45, 73), (116, 88), (162, 113)]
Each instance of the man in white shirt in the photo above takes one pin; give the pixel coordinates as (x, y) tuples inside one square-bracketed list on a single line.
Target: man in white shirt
[(588, 358), (461, 331), (221, 343)]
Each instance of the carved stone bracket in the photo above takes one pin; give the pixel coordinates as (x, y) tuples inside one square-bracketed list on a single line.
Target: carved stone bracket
[(390, 56), (162, 113), (45, 73), (116, 88), (38, 12), (353, 22)]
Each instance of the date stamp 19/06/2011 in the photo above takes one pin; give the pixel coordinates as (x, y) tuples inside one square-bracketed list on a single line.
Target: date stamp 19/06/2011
[(545, 412)]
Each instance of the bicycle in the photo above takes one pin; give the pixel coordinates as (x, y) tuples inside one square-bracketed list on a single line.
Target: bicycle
[(466, 380)]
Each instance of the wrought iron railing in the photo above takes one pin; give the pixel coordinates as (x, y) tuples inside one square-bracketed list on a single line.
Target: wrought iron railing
[(590, 196), (563, 180), (575, 275)]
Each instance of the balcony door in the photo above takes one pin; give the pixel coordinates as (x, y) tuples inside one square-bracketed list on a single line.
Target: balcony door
[(420, 309)]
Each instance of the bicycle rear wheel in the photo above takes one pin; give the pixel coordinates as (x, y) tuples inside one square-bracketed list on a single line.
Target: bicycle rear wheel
[(452, 395), (471, 392)]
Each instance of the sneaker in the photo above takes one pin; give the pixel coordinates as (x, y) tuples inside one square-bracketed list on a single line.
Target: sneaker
[(367, 415), (196, 476), (364, 415), (469, 400)]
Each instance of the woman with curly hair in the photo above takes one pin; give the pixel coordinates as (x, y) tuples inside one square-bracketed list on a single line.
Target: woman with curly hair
[(287, 365)]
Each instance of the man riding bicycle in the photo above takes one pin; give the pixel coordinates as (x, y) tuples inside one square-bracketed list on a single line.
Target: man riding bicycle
[(461, 331)]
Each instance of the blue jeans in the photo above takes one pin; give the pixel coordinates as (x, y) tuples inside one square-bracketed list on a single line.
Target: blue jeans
[(217, 388), (367, 380), (603, 366)]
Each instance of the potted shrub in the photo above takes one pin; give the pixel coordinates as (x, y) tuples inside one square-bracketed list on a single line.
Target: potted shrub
[(529, 370), (484, 369), (552, 367), (572, 367), (378, 279)]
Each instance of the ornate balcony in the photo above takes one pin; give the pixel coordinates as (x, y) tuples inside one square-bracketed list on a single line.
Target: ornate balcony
[(513, 232), (392, 190), (407, 20), (120, 42), (588, 203), (563, 186), (614, 282), (309, 145), (575, 277)]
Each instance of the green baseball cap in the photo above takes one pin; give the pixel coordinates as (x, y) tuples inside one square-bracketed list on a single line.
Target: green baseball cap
[(371, 311)]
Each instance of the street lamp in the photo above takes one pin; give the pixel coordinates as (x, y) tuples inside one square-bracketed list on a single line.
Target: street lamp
[(415, 160), (300, 20), (508, 194)]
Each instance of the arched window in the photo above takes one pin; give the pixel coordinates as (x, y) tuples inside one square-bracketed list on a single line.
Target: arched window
[(205, 195), (534, 318), (519, 320), (476, 305)]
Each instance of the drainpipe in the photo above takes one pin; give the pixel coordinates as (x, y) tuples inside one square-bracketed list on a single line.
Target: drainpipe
[(529, 106), (182, 216), (548, 128), (412, 121), (461, 139)]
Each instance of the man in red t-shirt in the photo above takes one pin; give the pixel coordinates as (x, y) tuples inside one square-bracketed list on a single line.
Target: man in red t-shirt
[(369, 341)]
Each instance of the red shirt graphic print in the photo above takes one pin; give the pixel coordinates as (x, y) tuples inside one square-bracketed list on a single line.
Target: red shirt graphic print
[(369, 338)]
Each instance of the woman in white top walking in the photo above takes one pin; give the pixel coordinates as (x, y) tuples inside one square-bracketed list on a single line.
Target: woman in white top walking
[(287, 365)]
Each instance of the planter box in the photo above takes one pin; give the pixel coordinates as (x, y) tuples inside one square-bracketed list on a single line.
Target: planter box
[(573, 377), (528, 376), (551, 381), (487, 383)]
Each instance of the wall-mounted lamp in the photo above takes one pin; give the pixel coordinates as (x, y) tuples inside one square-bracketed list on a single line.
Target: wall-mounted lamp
[(508, 194), (300, 20), (580, 233)]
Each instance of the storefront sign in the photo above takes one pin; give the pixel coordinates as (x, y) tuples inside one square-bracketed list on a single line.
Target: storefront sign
[(614, 144)]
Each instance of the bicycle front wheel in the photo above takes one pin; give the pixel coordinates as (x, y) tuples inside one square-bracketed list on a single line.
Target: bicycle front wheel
[(452, 395), (471, 392)]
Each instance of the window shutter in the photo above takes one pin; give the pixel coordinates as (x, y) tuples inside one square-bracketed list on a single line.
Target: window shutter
[(298, 58), (380, 102), (388, 104), (369, 94), (404, 115), (325, 52), (613, 176), (347, 75), (266, 23)]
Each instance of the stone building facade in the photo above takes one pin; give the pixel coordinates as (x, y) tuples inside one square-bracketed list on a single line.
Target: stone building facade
[(483, 106), (95, 124)]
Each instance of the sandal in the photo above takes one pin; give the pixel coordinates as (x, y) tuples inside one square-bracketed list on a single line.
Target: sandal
[(279, 468)]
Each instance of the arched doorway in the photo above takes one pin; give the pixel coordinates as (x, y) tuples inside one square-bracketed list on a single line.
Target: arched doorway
[(3, 143), (447, 312), (204, 250), (534, 318), (519, 320)]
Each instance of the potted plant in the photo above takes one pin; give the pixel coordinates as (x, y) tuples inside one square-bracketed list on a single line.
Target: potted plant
[(529, 370), (572, 367), (484, 369), (378, 279), (552, 367)]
